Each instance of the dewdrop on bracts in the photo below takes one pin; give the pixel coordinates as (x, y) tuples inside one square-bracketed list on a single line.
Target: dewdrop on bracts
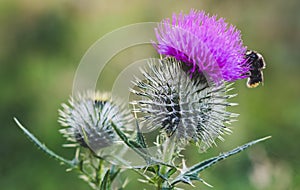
[(189, 108), (87, 120)]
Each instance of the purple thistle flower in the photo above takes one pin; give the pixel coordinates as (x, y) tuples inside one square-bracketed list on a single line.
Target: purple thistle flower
[(205, 44)]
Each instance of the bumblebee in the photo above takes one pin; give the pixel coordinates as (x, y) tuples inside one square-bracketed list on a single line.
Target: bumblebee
[(257, 64)]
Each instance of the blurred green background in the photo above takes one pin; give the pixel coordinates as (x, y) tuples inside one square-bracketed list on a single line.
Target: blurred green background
[(42, 43)]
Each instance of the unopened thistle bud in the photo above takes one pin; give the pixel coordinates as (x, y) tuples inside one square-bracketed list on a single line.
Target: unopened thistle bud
[(87, 120)]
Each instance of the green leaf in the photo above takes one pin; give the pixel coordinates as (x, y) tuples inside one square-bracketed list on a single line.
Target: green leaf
[(106, 183), (189, 174), (72, 163), (137, 147), (171, 172), (139, 136), (114, 171)]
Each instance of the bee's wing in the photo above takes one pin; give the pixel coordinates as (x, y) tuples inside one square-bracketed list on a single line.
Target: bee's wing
[(262, 78), (261, 61)]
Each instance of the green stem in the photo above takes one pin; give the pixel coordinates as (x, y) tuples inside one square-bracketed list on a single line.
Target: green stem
[(168, 152), (98, 173)]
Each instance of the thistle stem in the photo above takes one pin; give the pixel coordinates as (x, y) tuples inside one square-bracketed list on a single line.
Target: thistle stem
[(168, 149), (168, 152)]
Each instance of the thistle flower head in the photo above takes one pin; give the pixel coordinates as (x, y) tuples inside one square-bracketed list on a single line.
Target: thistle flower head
[(205, 44), (87, 120), (189, 108)]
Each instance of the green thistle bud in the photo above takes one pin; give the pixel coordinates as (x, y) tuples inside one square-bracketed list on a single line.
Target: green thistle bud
[(87, 120), (190, 108)]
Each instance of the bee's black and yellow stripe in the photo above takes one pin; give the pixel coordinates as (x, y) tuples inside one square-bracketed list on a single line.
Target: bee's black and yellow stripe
[(257, 64)]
